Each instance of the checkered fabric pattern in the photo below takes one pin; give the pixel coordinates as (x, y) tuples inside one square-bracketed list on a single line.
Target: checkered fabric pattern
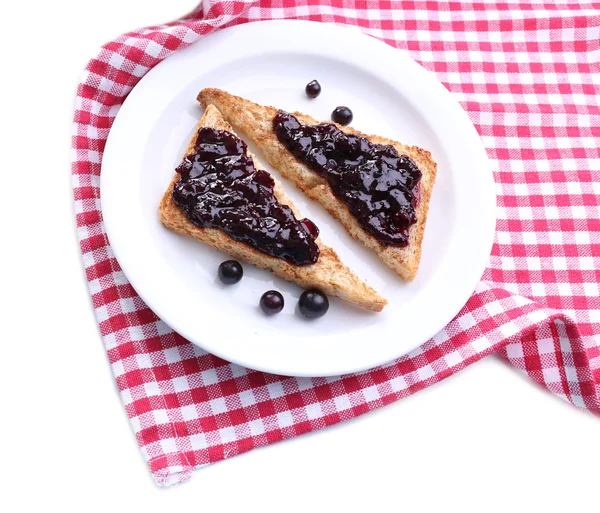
[(524, 72)]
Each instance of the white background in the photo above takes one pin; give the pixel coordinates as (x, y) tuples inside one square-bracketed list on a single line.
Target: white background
[(484, 440)]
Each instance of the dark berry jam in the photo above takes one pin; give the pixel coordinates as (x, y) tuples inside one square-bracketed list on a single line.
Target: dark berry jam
[(219, 187), (379, 186)]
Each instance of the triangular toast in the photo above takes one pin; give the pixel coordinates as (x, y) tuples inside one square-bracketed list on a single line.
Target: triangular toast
[(257, 122), (328, 274)]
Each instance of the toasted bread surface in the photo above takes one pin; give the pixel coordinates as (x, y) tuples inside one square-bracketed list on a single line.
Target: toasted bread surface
[(257, 122), (328, 274)]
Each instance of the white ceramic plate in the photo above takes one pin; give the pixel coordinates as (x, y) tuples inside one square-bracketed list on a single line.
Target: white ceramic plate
[(270, 63)]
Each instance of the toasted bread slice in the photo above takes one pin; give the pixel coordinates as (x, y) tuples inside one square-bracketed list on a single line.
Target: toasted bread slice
[(257, 122), (327, 274)]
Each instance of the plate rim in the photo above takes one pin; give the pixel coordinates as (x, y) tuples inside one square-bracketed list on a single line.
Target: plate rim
[(134, 279)]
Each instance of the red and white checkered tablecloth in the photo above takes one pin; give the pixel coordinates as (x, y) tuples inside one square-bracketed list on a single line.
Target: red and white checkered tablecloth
[(524, 72)]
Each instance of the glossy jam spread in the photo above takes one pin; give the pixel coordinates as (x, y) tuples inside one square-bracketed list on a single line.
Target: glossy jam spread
[(219, 187), (379, 186)]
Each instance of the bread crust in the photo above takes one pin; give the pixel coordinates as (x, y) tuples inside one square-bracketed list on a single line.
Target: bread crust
[(257, 121), (328, 274)]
